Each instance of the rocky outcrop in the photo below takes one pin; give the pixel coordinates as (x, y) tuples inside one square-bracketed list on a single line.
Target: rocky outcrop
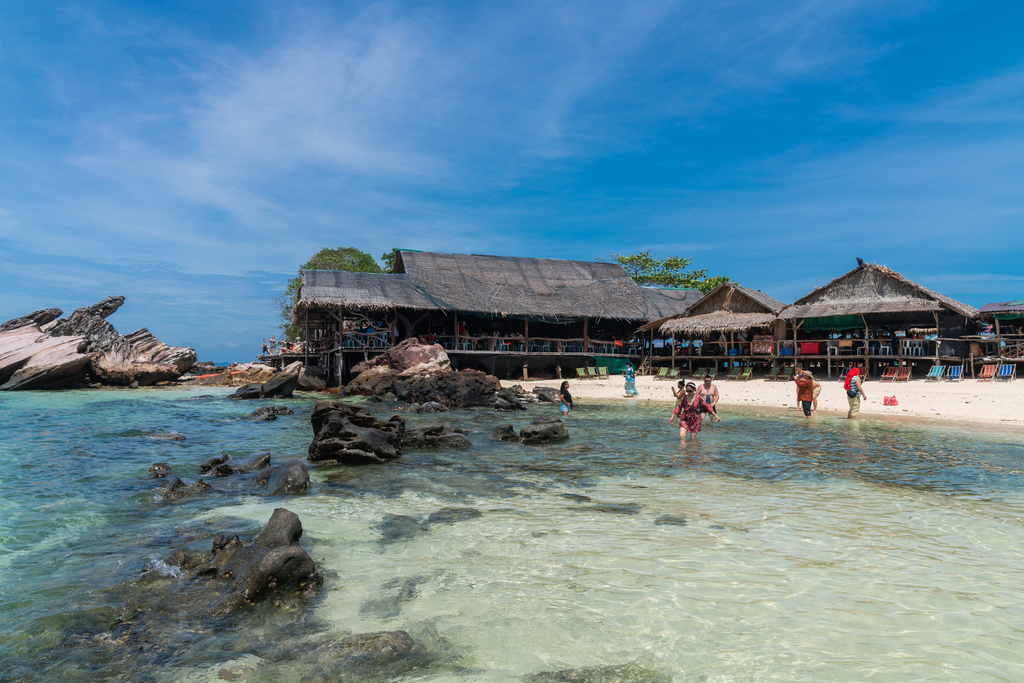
[(159, 470), (544, 430), (546, 394), (267, 413), (409, 355), (349, 435), (179, 489), (281, 385), (41, 351), (274, 564), (435, 436), (311, 379), (506, 399), (505, 433), (451, 389), (373, 381)]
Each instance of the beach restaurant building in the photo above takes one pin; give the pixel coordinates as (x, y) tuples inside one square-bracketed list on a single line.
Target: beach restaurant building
[(492, 313), (872, 317)]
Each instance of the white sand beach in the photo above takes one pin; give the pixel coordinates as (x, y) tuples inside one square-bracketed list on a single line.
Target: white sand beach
[(967, 401)]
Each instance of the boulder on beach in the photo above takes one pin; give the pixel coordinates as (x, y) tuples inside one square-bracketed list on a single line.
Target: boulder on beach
[(349, 435), (461, 389), (409, 355), (544, 430)]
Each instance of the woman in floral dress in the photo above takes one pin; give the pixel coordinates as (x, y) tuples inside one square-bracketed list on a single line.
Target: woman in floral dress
[(688, 411)]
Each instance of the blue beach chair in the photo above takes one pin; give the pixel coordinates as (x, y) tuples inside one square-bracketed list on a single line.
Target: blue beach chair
[(955, 373), (936, 372), (1007, 371)]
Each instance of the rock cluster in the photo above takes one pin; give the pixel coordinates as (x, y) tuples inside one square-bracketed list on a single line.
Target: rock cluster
[(349, 435), (436, 435), (543, 430), (44, 351), (281, 385)]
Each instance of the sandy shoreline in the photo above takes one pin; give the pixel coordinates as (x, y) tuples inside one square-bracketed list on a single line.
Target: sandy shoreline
[(969, 401)]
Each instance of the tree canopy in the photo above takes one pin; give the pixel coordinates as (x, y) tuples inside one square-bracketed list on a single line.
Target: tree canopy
[(342, 258), (646, 270)]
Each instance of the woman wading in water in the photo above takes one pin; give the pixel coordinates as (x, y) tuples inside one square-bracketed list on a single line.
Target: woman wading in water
[(688, 411)]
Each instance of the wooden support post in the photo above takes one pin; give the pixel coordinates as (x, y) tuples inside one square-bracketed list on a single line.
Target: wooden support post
[(673, 352), (526, 341), (867, 347), (456, 345), (305, 344), (586, 335)]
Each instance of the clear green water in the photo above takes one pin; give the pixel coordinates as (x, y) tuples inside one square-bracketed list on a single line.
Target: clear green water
[(821, 550)]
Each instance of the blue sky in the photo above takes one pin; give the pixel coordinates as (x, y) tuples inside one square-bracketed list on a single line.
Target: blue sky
[(191, 155)]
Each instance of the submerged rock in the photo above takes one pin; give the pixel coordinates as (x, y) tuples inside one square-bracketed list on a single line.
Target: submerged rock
[(271, 410), (675, 520), (544, 430), (219, 459), (431, 407), (453, 515), (159, 470), (622, 673), (349, 435), (435, 435)]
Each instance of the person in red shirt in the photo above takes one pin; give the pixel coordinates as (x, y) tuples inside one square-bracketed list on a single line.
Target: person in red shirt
[(804, 391)]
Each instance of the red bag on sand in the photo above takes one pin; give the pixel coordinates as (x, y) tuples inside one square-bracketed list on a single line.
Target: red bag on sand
[(893, 401)]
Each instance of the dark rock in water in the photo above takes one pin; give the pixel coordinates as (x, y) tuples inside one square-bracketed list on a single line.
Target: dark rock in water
[(259, 462), (505, 433), (453, 515), (134, 385), (435, 436), (274, 564), (271, 410), (453, 389), (178, 489), (312, 379), (507, 400), (622, 673), (390, 397), (266, 417), (159, 470), (291, 477), (431, 407), (546, 394), (160, 436), (218, 459), (186, 561), (617, 508), (281, 385), (544, 430), (390, 606), (675, 520), (349, 435), (576, 497), (399, 528)]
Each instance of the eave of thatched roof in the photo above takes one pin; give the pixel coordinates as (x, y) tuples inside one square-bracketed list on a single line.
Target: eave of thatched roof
[(726, 308), (364, 291), (719, 321), (872, 288), (550, 289)]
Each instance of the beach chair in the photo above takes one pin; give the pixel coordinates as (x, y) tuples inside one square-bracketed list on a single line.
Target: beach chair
[(581, 373), (955, 373), (902, 375), (987, 373), (785, 375), (1007, 371), (592, 373), (699, 375), (712, 373), (936, 372), (889, 374), (734, 373), (746, 374), (602, 373), (673, 374), (773, 374), (662, 374)]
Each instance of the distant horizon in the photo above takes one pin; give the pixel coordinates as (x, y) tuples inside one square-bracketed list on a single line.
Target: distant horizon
[(192, 157)]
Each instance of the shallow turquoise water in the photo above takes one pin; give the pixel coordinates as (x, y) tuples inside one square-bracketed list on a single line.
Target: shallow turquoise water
[(821, 550)]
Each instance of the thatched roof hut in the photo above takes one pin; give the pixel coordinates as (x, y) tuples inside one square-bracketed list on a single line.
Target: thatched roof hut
[(1003, 310), (551, 290), (875, 289), (727, 308)]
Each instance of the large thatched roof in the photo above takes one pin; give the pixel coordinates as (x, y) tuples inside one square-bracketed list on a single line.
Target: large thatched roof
[(872, 288), (663, 303), (547, 289), (365, 291), (727, 308)]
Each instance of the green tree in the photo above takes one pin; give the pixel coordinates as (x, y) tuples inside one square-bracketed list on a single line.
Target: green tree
[(342, 258), (388, 259), (647, 270)]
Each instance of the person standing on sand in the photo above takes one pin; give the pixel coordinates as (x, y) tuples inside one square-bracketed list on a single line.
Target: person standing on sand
[(709, 392), (854, 392), (688, 411), (805, 391), (564, 399), (630, 375)]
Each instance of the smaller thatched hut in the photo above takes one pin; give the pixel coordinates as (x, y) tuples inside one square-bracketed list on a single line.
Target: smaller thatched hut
[(727, 309)]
